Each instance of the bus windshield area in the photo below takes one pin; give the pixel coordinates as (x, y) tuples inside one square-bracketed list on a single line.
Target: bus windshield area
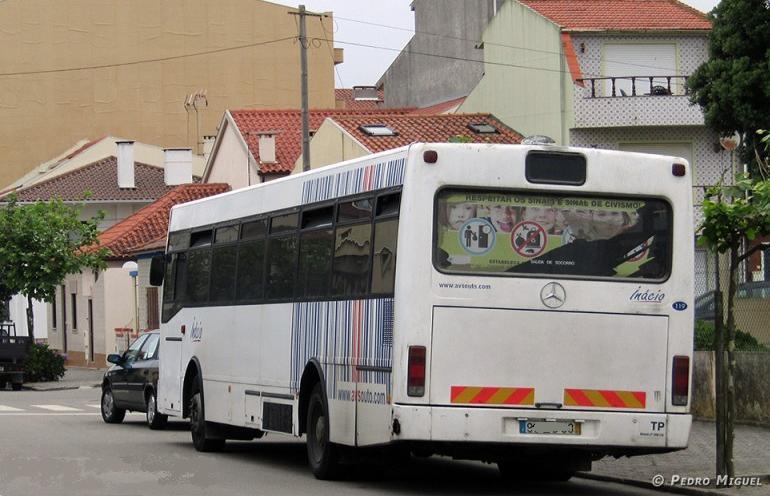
[(509, 233)]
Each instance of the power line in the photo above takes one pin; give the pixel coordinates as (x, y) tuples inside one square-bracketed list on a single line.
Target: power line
[(146, 61), (331, 51), (491, 43)]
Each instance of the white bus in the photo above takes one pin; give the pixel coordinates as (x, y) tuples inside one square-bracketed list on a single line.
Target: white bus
[(524, 305)]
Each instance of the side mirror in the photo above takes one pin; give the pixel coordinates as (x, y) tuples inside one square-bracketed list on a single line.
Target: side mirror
[(157, 268), (114, 358)]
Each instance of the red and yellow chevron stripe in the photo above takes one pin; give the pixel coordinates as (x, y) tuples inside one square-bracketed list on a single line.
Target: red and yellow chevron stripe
[(605, 398), (477, 395)]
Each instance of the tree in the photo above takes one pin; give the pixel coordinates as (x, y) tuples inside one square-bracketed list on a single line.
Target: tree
[(732, 88), (732, 213), (40, 244)]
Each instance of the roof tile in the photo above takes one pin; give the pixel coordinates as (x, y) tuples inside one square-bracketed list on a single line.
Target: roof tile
[(100, 180), (287, 124), (425, 128), (621, 15), (147, 228)]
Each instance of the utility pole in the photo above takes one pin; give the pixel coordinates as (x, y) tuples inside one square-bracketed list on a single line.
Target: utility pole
[(303, 45)]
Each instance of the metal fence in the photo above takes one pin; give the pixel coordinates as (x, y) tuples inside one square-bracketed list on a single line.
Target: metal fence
[(752, 302)]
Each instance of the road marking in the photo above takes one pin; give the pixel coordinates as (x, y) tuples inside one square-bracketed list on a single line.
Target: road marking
[(58, 408), (94, 406), (4, 408)]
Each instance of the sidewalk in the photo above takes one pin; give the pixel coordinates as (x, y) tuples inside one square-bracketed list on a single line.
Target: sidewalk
[(74, 378), (752, 458)]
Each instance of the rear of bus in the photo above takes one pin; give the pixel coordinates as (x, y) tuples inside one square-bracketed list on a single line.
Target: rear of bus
[(543, 308)]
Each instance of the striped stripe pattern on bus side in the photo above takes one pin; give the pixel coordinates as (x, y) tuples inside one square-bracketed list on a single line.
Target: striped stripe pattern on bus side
[(367, 178), (343, 334), (605, 398)]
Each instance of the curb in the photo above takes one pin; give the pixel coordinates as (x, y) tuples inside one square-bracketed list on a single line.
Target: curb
[(649, 485), (60, 388)]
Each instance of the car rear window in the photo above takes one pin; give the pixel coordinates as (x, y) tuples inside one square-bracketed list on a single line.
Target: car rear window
[(587, 236)]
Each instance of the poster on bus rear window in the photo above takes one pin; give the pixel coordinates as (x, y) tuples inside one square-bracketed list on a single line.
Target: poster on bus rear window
[(593, 236)]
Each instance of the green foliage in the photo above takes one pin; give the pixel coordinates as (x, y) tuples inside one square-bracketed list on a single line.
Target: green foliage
[(460, 138), (704, 338), (43, 242), (732, 87), (43, 364), (731, 212)]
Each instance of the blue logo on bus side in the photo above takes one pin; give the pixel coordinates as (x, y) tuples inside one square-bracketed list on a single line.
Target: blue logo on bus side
[(679, 306)]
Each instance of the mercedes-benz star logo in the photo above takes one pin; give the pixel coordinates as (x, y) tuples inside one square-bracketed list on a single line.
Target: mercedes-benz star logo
[(553, 295)]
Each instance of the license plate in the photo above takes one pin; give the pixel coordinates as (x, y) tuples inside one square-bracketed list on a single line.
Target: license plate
[(559, 427)]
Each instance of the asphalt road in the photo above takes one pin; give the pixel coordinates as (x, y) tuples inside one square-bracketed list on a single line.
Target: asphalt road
[(55, 443)]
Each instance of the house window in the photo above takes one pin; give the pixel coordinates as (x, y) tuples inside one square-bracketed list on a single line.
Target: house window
[(377, 130), (153, 310), (74, 299), (641, 61), (53, 312)]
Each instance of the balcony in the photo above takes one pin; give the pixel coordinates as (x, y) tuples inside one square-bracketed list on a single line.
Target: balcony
[(634, 101)]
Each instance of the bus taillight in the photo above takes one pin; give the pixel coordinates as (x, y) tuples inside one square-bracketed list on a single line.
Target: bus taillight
[(680, 380), (416, 371)]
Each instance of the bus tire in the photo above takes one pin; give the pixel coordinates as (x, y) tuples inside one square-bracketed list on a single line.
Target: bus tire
[(322, 455), (110, 413), (155, 420), (198, 428)]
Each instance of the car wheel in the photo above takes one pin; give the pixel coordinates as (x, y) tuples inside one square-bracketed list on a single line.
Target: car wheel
[(16, 386), (322, 454), (198, 428), (111, 413), (155, 420)]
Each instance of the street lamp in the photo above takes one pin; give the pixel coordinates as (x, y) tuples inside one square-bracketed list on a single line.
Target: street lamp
[(133, 270)]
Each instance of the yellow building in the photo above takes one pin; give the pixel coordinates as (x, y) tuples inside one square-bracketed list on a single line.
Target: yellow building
[(88, 68)]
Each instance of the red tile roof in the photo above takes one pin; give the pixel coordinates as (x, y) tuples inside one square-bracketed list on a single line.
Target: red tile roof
[(440, 108), (100, 179), (425, 128), (147, 228), (621, 15), (287, 124), (345, 100)]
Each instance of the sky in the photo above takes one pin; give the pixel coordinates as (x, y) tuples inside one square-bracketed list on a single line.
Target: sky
[(365, 65)]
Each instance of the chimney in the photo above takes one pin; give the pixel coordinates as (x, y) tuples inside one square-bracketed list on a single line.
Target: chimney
[(178, 166), (208, 145), (126, 164), (267, 147)]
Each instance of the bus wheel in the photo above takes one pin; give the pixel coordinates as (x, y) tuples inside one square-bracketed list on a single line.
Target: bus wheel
[(198, 426), (321, 453)]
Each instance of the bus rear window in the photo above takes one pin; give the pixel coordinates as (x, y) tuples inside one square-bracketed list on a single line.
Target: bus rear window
[(510, 233)]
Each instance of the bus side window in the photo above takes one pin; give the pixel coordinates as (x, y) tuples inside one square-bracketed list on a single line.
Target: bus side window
[(223, 259), (251, 260), (315, 253), (352, 246), (281, 257), (384, 262), (198, 270)]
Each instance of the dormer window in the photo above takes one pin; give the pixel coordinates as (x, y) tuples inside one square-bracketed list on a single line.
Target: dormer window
[(482, 128), (377, 130)]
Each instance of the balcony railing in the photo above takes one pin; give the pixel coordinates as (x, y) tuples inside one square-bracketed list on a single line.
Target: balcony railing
[(637, 86)]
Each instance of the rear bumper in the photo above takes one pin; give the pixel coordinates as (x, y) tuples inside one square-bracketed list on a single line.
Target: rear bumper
[(608, 432)]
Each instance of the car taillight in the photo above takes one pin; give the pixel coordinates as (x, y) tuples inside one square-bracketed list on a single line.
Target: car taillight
[(415, 382), (680, 380)]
